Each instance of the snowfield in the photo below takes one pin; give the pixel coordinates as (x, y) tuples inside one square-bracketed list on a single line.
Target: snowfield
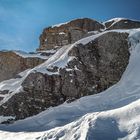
[(110, 115)]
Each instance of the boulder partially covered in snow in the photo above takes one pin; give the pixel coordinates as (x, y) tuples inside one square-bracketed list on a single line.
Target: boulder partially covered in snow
[(67, 33), (95, 65)]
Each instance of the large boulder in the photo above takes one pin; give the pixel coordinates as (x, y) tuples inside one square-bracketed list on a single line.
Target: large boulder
[(96, 66), (67, 33)]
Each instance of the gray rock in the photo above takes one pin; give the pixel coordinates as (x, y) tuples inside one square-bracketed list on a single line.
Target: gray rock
[(97, 66)]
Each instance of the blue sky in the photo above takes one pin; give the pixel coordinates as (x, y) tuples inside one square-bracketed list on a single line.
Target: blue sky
[(22, 21)]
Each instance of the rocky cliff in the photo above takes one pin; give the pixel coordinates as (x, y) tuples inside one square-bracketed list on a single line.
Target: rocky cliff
[(12, 63), (70, 32), (96, 66), (67, 33), (121, 23), (78, 68)]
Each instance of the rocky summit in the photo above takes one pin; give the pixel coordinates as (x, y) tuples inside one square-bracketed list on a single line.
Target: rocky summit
[(67, 33), (75, 59)]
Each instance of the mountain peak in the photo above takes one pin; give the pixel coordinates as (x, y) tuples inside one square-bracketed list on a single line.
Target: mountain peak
[(67, 33), (84, 77)]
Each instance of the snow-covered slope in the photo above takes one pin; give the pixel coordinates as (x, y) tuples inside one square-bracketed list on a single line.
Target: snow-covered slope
[(26, 55), (112, 114)]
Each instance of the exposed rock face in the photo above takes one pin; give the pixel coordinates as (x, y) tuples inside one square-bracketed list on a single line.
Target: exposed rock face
[(122, 24), (12, 64), (67, 33), (97, 66)]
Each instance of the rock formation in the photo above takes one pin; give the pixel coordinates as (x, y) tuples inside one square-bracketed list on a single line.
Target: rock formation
[(97, 66), (11, 64), (67, 33), (122, 24), (92, 65)]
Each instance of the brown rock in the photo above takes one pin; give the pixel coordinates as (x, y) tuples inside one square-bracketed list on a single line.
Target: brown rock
[(67, 33)]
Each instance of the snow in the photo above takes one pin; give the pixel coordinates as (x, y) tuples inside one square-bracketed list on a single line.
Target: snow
[(6, 118), (48, 51), (93, 32), (113, 124), (58, 59), (62, 33), (116, 19), (112, 114), (13, 86), (29, 55), (60, 24)]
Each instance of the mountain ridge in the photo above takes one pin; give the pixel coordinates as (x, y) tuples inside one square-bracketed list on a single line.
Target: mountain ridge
[(100, 62)]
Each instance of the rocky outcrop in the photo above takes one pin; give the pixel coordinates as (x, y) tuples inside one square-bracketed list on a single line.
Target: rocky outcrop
[(11, 64), (122, 24), (67, 33), (96, 66)]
